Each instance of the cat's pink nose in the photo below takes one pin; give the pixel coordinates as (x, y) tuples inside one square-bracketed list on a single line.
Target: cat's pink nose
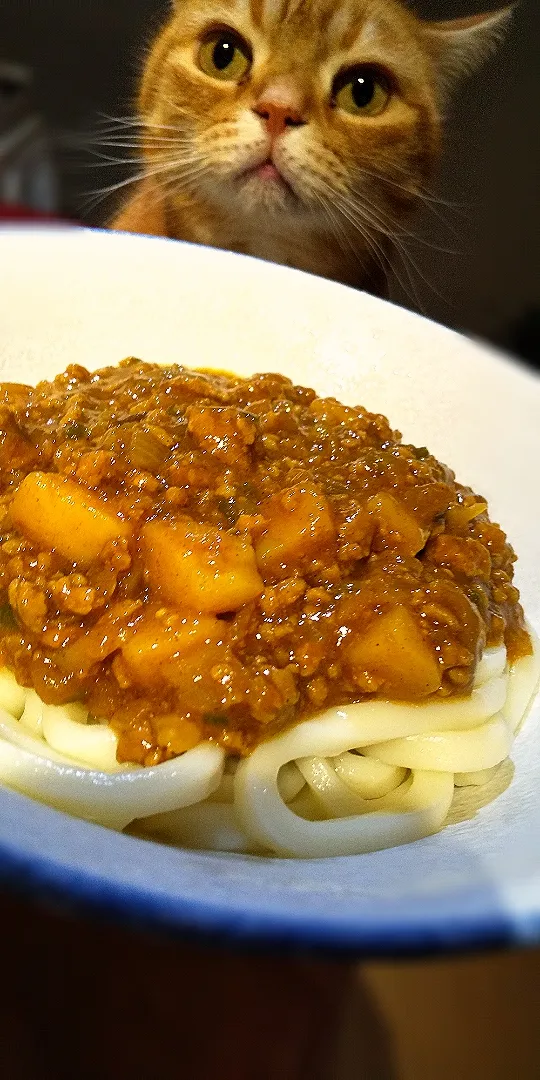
[(278, 115)]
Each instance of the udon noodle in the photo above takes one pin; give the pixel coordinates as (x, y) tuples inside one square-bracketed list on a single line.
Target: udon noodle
[(367, 776)]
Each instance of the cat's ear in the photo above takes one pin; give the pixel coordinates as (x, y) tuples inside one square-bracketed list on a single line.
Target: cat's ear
[(458, 46)]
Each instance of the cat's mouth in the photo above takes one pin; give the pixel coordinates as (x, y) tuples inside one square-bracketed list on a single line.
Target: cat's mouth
[(268, 171), (268, 174)]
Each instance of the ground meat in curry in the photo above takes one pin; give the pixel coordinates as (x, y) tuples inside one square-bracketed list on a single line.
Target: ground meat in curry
[(197, 555)]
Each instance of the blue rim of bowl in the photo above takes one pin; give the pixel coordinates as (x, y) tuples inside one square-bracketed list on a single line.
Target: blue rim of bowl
[(458, 923)]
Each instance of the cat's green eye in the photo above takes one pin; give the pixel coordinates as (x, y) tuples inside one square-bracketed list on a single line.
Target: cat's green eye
[(224, 55), (362, 91)]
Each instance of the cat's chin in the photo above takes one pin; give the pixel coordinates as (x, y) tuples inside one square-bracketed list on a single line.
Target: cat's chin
[(264, 185)]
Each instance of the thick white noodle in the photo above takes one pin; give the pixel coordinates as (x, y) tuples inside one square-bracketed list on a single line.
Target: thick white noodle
[(396, 818), (354, 779), (290, 782), (414, 810), (213, 825), (473, 736), (12, 696), (522, 689), (449, 751), (334, 796), (65, 728), (112, 798), (32, 714), (367, 777), (209, 825), (13, 732), (92, 744), (491, 665), (475, 779)]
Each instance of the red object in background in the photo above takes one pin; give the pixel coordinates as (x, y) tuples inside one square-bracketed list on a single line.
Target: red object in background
[(23, 213)]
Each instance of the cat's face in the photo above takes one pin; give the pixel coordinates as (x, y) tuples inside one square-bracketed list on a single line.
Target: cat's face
[(294, 109)]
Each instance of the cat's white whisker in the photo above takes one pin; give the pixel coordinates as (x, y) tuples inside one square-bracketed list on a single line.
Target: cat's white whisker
[(386, 228), (416, 188), (350, 212), (338, 233), (116, 122), (409, 261), (157, 169)]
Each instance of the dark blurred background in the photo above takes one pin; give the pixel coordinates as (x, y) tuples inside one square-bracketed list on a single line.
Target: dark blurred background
[(477, 266)]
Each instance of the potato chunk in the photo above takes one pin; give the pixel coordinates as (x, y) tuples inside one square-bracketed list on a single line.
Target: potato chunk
[(200, 567), (393, 653), (155, 644), (58, 513), (396, 526), (298, 526)]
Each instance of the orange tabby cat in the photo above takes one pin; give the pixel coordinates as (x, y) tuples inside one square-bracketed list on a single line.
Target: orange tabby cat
[(300, 131)]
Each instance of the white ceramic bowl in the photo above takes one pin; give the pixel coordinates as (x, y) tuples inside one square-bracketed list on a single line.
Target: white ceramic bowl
[(92, 298)]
